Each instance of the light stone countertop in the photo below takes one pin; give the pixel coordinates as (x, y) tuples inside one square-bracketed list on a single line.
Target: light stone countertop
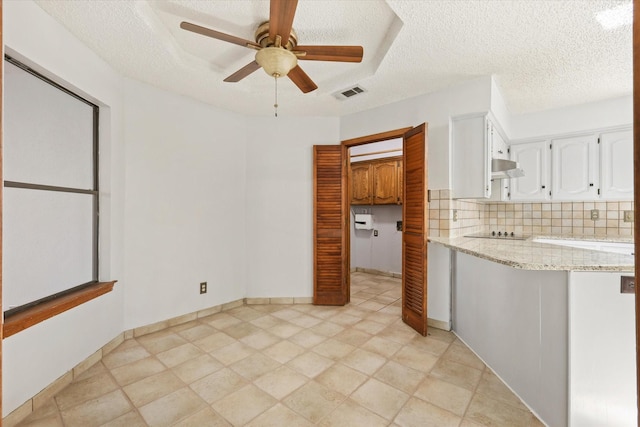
[(530, 255)]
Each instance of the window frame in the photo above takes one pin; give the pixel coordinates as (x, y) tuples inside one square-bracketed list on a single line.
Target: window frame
[(23, 316)]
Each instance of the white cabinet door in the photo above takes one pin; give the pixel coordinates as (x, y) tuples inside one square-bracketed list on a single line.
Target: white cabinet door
[(533, 158), (499, 148), (616, 165), (470, 157), (574, 168)]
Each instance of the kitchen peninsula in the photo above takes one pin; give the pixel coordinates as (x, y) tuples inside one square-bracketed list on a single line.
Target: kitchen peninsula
[(551, 321)]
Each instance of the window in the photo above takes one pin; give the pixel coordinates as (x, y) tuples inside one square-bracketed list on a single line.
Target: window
[(50, 202)]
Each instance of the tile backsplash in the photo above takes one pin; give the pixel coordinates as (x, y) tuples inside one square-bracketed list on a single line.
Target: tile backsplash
[(454, 218)]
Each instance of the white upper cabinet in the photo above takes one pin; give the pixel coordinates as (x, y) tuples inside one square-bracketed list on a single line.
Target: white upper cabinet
[(574, 165), (475, 139), (533, 158), (470, 157), (616, 163)]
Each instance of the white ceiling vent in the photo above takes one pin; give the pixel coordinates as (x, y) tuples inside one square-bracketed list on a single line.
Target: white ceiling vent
[(349, 92)]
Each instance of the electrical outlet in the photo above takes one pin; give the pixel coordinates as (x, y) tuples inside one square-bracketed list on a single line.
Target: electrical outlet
[(595, 214), (203, 287), (627, 284), (375, 233), (628, 216), (455, 215)]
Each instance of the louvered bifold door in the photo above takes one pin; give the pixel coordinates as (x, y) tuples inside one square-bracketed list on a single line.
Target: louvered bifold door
[(329, 260), (415, 230)]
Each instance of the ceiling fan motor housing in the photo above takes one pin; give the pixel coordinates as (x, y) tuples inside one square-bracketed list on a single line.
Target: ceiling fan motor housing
[(262, 37)]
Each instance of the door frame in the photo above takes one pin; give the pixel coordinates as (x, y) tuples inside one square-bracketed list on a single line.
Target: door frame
[(346, 144)]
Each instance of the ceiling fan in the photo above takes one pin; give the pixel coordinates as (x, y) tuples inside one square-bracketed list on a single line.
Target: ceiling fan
[(277, 47)]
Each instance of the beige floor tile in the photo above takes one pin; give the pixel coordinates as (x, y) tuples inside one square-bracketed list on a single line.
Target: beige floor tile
[(232, 353), (463, 355), (487, 411), (180, 354), (350, 414), (243, 405), (138, 370), (417, 413), (241, 330), (305, 321), (369, 326), (385, 319), (364, 361), (307, 339), (430, 345), (97, 411), (327, 329), (45, 416), (281, 382), (222, 320), (279, 416), (313, 401), (468, 423), (199, 330), (445, 395), (491, 386), (416, 359), (254, 366), (80, 391), (172, 408), (97, 368), (456, 373), (161, 341), (204, 417), (380, 398), (245, 313), (197, 368), (151, 388), (310, 364), (346, 319), (266, 322), (218, 385), (400, 376), (130, 419), (214, 342), (259, 340), (284, 351), (333, 349), (382, 346), (353, 336), (441, 335), (127, 352), (397, 333), (286, 314), (341, 378), (284, 329), (371, 305)]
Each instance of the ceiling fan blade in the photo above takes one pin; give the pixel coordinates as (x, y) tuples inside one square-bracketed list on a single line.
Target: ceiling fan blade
[(218, 35), (281, 13), (301, 80), (243, 72), (331, 53)]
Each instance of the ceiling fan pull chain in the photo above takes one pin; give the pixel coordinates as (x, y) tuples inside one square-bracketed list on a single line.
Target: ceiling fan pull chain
[(275, 106)]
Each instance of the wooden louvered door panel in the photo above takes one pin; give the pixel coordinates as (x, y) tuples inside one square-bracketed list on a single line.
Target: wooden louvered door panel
[(330, 275), (415, 224)]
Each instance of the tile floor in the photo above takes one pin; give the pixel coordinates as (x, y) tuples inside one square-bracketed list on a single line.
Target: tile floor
[(291, 365)]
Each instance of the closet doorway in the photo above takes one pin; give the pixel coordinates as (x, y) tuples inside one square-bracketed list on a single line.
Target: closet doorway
[(332, 205)]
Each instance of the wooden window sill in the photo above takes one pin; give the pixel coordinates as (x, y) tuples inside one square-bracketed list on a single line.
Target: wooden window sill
[(41, 312)]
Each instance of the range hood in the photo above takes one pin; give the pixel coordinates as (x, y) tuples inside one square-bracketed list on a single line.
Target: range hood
[(503, 168)]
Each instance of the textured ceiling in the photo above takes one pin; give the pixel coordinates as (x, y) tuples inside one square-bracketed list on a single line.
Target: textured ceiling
[(544, 54)]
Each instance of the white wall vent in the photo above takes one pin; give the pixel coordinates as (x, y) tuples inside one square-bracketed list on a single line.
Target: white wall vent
[(349, 92)]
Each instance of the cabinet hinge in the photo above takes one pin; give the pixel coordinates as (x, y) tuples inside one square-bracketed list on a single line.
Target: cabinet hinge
[(509, 150), (549, 193), (508, 195), (598, 191), (598, 140), (550, 146)]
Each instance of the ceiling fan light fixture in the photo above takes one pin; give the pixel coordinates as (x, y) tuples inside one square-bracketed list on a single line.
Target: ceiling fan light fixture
[(276, 61)]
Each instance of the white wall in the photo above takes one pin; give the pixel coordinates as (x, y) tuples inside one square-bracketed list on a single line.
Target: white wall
[(34, 358), (434, 109), (384, 251), (185, 205), (279, 202), (595, 115)]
